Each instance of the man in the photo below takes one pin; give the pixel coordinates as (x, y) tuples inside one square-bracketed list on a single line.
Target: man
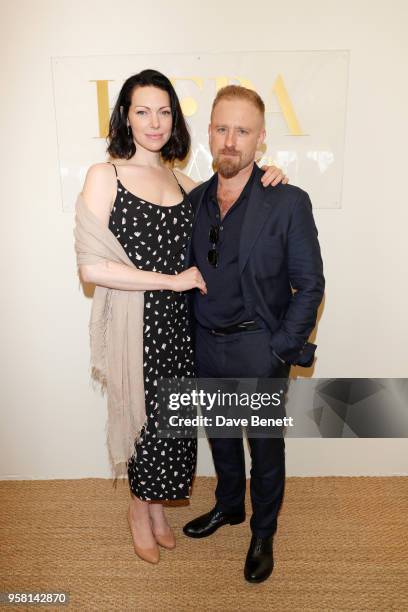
[(258, 252)]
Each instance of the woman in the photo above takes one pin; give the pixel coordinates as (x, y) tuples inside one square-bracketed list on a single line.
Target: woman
[(145, 206)]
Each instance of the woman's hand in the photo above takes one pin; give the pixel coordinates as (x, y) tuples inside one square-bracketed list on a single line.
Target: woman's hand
[(273, 176), (189, 279)]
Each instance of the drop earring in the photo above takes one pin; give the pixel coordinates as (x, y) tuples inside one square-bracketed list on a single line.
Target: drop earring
[(129, 130)]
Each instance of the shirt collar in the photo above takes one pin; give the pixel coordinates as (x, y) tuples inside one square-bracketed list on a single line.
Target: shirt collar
[(212, 193)]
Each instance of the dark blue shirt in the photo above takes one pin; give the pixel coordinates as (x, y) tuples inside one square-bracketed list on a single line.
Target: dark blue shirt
[(224, 304)]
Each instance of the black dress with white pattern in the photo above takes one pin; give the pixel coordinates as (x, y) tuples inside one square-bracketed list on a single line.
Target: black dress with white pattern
[(154, 238)]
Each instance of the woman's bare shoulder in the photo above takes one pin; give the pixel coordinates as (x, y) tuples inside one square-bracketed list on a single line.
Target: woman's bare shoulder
[(186, 182), (99, 189), (102, 171)]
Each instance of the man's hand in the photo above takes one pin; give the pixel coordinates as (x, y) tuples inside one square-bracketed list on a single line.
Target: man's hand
[(273, 176)]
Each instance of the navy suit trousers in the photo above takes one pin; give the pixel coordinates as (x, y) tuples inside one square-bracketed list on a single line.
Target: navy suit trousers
[(245, 354)]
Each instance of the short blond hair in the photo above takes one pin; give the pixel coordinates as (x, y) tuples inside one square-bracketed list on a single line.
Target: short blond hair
[(237, 92)]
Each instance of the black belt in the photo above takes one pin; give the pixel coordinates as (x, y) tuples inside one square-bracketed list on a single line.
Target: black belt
[(234, 329)]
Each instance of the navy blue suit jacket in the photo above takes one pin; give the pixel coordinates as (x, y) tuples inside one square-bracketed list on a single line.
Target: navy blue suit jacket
[(280, 265)]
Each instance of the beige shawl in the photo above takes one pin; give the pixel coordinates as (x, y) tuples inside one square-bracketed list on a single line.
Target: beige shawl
[(116, 337)]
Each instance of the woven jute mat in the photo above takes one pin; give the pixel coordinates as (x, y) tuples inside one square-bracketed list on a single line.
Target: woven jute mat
[(342, 544)]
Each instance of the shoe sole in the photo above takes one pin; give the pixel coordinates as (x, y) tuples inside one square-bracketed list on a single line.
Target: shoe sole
[(257, 580)]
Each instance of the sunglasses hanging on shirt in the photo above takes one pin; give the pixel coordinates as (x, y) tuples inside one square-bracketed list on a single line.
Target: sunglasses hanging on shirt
[(213, 236)]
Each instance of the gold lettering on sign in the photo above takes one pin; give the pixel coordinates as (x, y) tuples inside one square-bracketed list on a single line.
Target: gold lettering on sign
[(189, 105), (281, 93), (102, 97), (279, 89)]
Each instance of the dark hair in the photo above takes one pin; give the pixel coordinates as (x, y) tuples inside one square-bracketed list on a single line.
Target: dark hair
[(120, 142)]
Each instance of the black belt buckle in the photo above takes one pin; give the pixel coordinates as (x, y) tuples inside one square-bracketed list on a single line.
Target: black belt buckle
[(235, 329), (248, 325)]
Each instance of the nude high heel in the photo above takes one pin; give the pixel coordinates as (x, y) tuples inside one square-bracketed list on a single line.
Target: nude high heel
[(167, 541), (151, 555)]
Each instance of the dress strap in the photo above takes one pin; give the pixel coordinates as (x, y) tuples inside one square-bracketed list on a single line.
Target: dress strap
[(181, 186), (116, 172)]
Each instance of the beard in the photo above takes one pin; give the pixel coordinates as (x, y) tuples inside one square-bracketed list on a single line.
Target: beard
[(229, 166)]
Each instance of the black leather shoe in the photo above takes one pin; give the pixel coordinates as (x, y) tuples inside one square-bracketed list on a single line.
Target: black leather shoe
[(205, 525), (259, 560)]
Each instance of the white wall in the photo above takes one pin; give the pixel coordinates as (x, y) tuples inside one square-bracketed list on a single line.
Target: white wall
[(52, 422)]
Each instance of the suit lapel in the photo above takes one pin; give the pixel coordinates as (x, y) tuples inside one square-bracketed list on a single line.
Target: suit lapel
[(257, 212)]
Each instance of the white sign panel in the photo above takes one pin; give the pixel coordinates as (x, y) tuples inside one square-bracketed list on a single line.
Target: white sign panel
[(304, 93)]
